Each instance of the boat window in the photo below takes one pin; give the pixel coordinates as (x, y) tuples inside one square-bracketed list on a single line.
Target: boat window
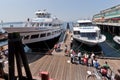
[(76, 32), (58, 31), (46, 24), (48, 34), (50, 24), (54, 24), (21, 37), (41, 24), (34, 36), (37, 24), (33, 24), (53, 33), (43, 35), (26, 37)]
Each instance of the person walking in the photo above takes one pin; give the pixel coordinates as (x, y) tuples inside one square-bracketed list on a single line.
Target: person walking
[(79, 57), (66, 50), (96, 63)]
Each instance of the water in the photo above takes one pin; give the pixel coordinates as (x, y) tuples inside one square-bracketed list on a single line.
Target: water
[(16, 24), (109, 47)]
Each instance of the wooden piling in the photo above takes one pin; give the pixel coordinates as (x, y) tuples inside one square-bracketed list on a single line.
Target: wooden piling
[(16, 50)]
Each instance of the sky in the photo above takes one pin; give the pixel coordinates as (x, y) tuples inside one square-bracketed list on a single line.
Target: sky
[(66, 10)]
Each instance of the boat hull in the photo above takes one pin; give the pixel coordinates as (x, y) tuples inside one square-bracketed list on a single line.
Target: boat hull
[(85, 42), (43, 45), (90, 42), (34, 38)]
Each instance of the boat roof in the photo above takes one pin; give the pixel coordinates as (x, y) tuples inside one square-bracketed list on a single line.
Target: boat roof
[(87, 29), (84, 21)]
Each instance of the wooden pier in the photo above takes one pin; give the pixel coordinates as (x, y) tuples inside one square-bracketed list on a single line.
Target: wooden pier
[(59, 67)]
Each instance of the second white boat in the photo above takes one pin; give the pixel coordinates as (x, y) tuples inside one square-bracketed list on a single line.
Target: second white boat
[(87, 33)]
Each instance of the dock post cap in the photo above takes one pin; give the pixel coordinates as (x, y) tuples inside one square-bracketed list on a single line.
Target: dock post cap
[(44, 75)]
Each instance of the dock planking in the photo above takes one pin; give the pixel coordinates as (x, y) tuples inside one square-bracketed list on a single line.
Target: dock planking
[(59, 67)]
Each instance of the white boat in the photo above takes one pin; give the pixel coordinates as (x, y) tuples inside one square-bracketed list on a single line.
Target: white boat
[(85, 32), (117, 39), (43, 27)]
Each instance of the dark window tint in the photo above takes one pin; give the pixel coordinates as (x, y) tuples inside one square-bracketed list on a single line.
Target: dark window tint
[(34, 36), (42, 35)]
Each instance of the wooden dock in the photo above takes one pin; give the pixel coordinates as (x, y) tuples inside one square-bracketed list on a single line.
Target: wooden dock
[(59, 67)]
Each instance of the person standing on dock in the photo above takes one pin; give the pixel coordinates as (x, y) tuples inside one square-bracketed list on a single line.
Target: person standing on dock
[(106, 65), (79, 57), (55, 47), (85, 59), (96, 63), (71, 56), (92, 58), (66, 48)]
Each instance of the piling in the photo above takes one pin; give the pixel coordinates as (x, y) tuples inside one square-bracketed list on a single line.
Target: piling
[(16, 50)]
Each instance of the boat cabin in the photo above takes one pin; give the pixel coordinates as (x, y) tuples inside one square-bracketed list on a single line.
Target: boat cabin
[(90, 32)]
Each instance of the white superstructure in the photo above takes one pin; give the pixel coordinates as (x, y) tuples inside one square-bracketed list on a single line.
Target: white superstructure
[(41, 28), (87, 33)]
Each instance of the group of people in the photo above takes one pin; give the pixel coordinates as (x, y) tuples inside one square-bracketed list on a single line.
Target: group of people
[(83, 59), (78, 57), (57, 46), (103, 69)]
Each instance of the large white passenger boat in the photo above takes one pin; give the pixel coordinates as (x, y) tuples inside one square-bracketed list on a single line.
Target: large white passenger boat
[(39, 29), (85, 32), (117, 39)]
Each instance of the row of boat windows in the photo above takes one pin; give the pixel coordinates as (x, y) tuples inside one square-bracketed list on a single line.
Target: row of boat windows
[(43, 15), (40, 35), (88, 35), (45, 24), (86, 24), (85, 34)]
